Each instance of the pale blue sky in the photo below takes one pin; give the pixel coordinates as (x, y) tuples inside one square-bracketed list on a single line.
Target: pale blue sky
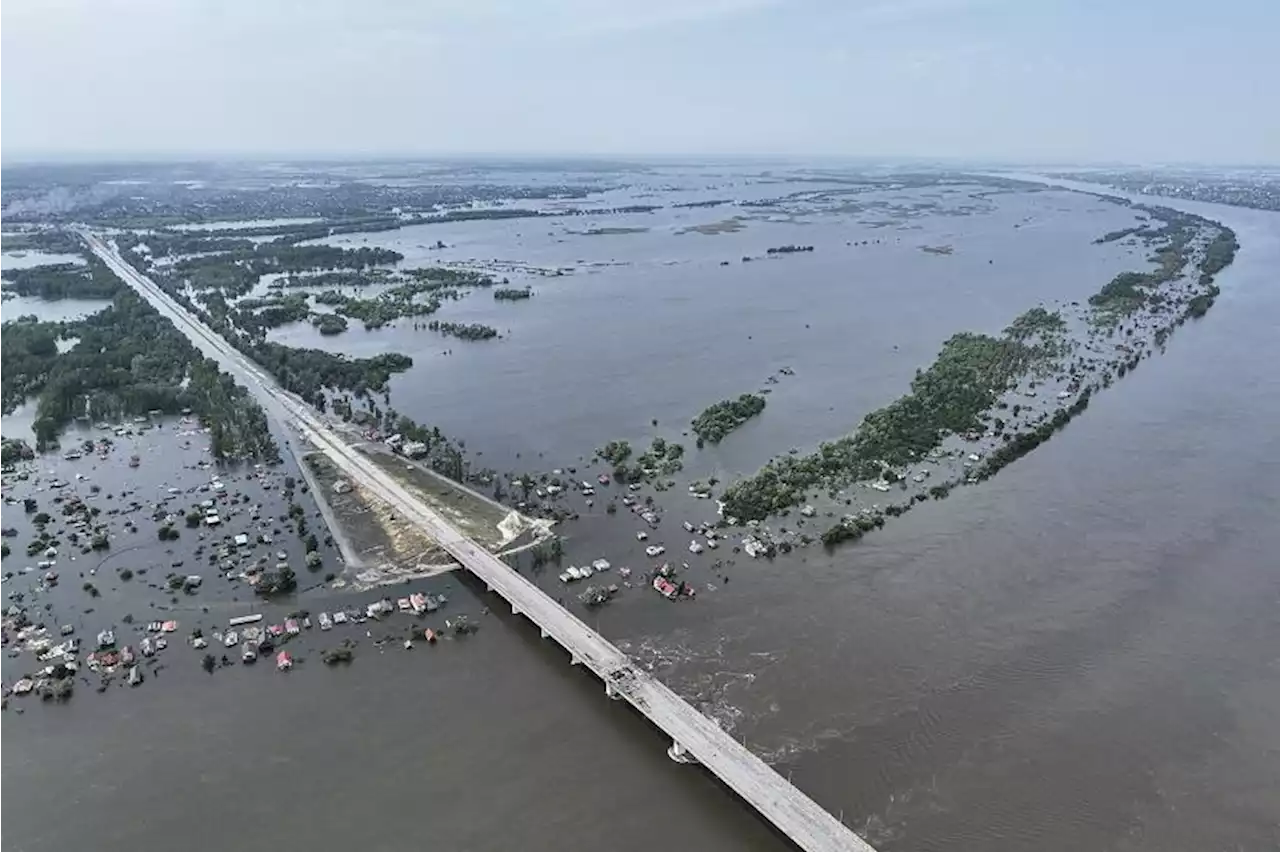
[(1032, 80)]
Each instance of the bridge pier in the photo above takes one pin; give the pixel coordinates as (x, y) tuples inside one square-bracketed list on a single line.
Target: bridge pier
[(680, 754), (574, 660), (515, 610), (610, 691), (543, 632)]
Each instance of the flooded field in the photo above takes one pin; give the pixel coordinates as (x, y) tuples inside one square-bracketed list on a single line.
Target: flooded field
[(651, 326), (1078, 653)]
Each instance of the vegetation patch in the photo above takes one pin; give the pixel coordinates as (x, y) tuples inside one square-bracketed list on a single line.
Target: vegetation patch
[(950, 397), (717, 421), (464, 331), (724, 226)]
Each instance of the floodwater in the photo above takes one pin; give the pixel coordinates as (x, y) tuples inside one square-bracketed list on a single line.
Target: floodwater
[(28, 259), (650, 326), (1077, 654)]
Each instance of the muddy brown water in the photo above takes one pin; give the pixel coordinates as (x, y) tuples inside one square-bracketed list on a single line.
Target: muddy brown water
[(1078, 654)]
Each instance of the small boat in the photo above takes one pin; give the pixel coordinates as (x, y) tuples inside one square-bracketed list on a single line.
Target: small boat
[(23, 686), (641, 535), (601, 565), (603, 479), (340, 617), (275, 630), (654, 550), (292, 627), (404, 605), (566, 577), (231, 638), (326, 623), (134, 461), (135, 675), (106, 639), (169, 626), (430, 635), (624, 572), (146, 647), (688, 527), (284, 662), (250, 654), (161, 643), (712, 543), (126, 655), (418, 602), (695, 547)]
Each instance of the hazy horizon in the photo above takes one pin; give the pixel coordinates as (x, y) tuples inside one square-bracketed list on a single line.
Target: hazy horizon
[(975, 81)]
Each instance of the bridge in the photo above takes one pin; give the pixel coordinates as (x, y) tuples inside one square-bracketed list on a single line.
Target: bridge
[(694, 737)]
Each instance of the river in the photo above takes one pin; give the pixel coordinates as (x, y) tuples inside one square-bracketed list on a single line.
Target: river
[(1079, 653)]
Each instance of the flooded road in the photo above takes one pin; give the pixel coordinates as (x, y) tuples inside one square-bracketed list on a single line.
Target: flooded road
[(1079, 653)]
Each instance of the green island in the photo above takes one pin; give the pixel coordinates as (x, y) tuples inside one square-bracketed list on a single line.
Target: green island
[(512, 294), (387, 307), (969, 375), (663, 458), (329, 324), (961, 391), (717, 421), (463, 330)]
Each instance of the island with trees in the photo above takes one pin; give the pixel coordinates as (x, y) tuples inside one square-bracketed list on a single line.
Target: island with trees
[(512, 294), (978, 406), (718, 420), (464, 331)]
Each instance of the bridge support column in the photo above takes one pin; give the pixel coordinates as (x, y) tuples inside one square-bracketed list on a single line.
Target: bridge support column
[(515, 610), (574, 661), (611, 692), (680, 754), (543, 632)]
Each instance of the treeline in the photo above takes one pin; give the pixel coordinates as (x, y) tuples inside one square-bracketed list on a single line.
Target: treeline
[(464, 331), (512, 294), (718, 420), (788, 249), (950, 397), (308, 372), (329, 324)]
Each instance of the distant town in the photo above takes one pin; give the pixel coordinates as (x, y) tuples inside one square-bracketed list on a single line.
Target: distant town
[(1259, 189)]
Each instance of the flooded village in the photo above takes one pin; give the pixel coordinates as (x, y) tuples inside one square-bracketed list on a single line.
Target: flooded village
[(138, 538)]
